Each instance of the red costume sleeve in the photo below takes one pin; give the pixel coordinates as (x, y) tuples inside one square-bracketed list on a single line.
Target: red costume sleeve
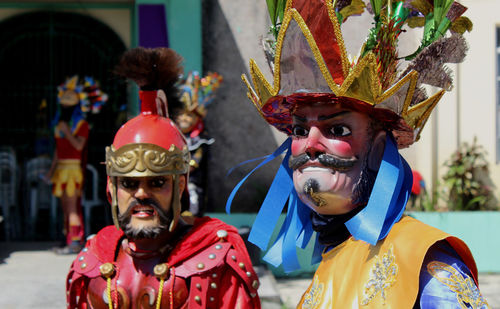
[(82, 129)]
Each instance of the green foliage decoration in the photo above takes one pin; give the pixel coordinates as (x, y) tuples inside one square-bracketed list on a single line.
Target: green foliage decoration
[(467, 179)]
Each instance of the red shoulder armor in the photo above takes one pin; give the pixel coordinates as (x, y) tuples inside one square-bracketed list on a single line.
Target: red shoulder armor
[(205, 261), (97, 251), (206, 270), (239, 262)]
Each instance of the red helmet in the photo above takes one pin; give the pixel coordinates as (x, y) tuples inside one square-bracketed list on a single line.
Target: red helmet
[(149, 145)]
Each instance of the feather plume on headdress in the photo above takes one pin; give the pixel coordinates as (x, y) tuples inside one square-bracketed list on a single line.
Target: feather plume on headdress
[(154, 69)]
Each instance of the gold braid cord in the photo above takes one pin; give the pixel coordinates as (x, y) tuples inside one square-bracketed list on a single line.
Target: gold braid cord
[(143, 160)]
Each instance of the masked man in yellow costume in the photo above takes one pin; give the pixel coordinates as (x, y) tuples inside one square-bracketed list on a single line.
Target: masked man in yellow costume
[(342, 174)]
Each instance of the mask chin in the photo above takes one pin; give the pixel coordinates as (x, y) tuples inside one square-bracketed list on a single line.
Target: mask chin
[(324, 202)]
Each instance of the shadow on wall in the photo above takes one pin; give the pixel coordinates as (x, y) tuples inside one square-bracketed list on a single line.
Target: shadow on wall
[(239, 131)]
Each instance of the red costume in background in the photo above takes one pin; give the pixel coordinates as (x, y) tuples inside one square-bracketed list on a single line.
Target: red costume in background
[(216, 270), (69, 174)]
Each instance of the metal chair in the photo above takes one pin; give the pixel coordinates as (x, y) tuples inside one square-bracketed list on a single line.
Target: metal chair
[(90, 197), (39, 195), (8, 192)]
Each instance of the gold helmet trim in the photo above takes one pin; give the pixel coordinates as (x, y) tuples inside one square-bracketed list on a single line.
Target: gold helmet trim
[(143, 160)]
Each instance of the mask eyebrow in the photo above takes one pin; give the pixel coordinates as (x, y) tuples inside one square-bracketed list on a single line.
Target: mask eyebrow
[(299, 118), (327, 117)]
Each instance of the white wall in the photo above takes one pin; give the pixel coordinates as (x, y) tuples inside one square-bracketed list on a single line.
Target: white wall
[(469, 109)]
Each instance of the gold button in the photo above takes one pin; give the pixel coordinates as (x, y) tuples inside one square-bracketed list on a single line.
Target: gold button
[(107, 269), (233, 258), (213, 285), (197, 299), (222, 233), (255, 284), (200, 266), (211, 256), (198, 286), (83, 265), (249, 274), (218, 247), (161, 270), (241, 265)]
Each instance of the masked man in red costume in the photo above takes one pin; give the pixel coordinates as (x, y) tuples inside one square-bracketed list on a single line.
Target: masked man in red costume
[(154, 257), (66, 173), (342, 173), (197, 94)]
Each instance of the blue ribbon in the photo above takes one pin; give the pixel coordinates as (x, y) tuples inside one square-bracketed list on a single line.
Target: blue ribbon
[(385, 207), (285, 146), (296, 231), (387, 200), (272, 206), (231, 170)]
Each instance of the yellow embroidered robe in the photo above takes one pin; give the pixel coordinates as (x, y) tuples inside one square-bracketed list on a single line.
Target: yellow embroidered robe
[(358, 275)]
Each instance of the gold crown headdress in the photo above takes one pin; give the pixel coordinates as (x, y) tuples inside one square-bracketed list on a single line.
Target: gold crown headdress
[(310, 58), (70, 93)]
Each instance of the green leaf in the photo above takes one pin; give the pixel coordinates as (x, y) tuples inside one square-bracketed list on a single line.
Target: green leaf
[(271, 7), (280, 9), (357, 7), (460, 25), (376, 7)]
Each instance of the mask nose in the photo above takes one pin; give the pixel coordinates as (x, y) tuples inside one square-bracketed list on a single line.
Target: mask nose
[(314, 146), (142, 191)]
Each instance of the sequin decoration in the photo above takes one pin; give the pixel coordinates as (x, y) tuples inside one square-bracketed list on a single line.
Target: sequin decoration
[(468, 295), (382, 276), (314, 296)]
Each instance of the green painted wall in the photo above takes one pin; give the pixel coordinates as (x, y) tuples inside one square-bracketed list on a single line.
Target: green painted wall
[(479, 230), (241, 220), (184, 35), (184, 29)]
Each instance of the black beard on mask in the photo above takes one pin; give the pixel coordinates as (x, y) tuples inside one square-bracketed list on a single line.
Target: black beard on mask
[(363, 188), (145, 232)]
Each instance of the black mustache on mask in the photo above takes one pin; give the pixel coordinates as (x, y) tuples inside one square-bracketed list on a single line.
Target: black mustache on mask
[(327, 160)]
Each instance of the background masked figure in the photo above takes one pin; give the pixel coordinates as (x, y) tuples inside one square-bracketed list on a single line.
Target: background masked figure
[(71, 132), (196, 94), (155, 257), (342, 174)]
